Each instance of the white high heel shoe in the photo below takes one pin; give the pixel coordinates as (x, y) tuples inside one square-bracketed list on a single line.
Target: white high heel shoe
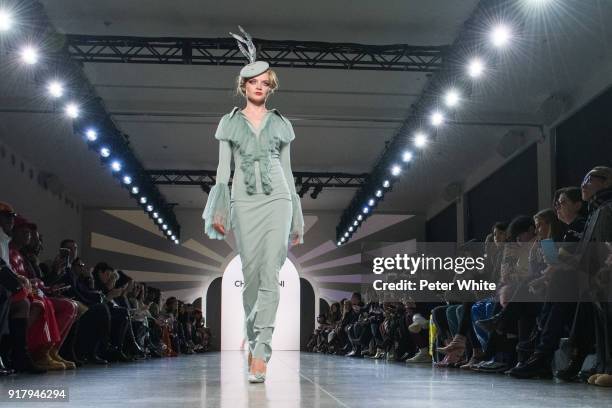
[(257, 377)]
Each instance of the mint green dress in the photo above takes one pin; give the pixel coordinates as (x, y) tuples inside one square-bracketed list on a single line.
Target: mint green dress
[(263, 210)]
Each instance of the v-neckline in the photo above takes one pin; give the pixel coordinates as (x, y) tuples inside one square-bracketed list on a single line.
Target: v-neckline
[(261, 124)]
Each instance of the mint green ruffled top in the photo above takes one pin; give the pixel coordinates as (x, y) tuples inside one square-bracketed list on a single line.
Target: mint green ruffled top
[(262, 168)]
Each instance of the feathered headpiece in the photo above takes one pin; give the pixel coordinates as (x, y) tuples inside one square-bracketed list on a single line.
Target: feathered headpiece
[(254, 67)]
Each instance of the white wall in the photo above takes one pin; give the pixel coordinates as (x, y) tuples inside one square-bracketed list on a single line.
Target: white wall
[(58, 216)]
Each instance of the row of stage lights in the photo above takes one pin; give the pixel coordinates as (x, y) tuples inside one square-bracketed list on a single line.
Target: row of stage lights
[(500, 36), (29, 55)]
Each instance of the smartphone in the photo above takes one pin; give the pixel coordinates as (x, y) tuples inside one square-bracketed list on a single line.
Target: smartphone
[(550, 251)]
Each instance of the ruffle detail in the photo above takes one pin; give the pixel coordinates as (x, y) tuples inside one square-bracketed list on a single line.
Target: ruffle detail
[(217, 210), (275, 131), (297, 219)]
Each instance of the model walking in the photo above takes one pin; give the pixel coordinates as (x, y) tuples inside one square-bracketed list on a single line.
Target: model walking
[(263, 209)]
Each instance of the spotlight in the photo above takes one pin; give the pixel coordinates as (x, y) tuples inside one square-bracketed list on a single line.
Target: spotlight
[(371, 202), (315, 192), (6, 20), (105, 152), (360, 217), (420, 140), (176, 241), (149, 208), (135, 190), (55, 89), (406, 157), (386, 184), (379, 193), (338, 243), (127, 180), (143, 200), (437, 118), (155, 215), (168, 232), (173, 237), (365, 210), (500, 35), (72, 111), (164, 227), (116, 166), (356, 223), (160, 220), (29, 55), (346, 234), (342, 239), (451, 99), (91, 135), (475, 68), (350, 229), (396, 170)]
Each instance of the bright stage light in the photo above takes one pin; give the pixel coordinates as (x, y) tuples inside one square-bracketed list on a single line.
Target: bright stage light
[(135, 190), (379, 193), (55, 89), (164, 227), (351, 229), (396, 170), (451, 99), (155, 215), (356, 223), (91, 135), (105, 152), (437, 118), (29, 55), (149, 208), (127, 180), (420, 140), (475, 68), (371, 202), (360, 217), (386, 184), (365, 210), (500, 35), (346, 234), (407, 156), (143, 200), (116, 166), (160, 220), (72, 111), (6, 20)]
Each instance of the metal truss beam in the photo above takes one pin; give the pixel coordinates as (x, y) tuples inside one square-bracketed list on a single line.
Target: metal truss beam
[(302, 179), (223, 51)]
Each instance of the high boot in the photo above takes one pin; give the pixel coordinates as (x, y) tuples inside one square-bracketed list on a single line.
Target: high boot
[(43, 359), (54, 354)]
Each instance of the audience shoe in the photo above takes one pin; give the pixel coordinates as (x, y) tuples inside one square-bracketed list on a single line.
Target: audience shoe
[(54, 354), (4, 370), (537, 366), (96, 359), (492, 366), (445, 362), (604, 380), (380, 353), (592, 379), (421, 357), (474, 360), (457, 345), (570, 373), (43, 359), (418, 323)]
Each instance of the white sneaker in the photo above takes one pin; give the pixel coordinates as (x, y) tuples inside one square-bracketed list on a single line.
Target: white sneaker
[(418, 323), (257, 378), (421, 357)]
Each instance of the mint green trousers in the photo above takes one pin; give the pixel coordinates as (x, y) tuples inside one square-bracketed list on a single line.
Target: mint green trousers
[(261, 228)]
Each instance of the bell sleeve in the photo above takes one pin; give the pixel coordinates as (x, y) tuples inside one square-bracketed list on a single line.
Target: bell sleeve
[(297, 218), (217, 209)]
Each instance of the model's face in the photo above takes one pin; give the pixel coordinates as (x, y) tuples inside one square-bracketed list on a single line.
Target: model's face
[(258, 88)]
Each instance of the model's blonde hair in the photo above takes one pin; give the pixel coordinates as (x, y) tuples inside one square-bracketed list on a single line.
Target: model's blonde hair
[(241, 83)]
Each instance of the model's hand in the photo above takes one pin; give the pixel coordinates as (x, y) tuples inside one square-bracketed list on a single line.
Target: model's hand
[(219, 228), (295, 239)]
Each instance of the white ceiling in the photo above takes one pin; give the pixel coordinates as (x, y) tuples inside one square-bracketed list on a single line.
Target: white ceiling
[(342, 119)]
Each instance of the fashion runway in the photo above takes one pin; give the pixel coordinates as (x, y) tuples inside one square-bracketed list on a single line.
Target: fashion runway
[(299, 380)]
